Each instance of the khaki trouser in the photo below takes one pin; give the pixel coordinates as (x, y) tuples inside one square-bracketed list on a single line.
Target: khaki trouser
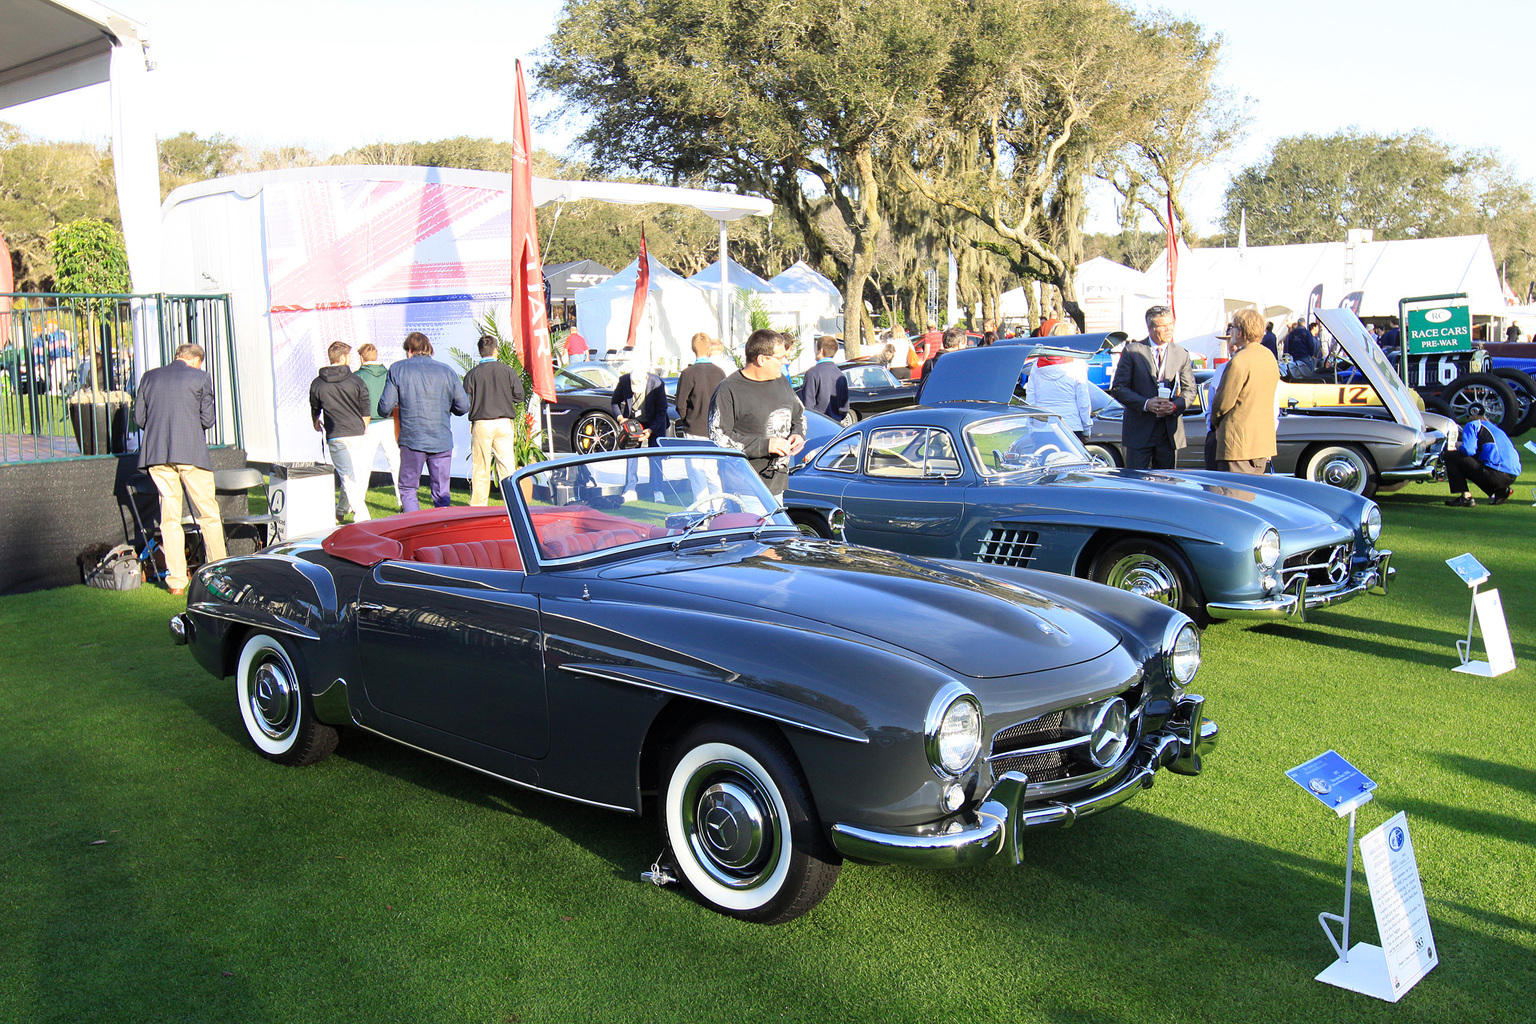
[(487, 438), (170, 478)]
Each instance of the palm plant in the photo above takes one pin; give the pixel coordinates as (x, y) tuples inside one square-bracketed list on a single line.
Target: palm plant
[(529, 440)]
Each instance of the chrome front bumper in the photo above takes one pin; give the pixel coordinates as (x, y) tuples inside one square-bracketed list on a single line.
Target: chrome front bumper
[(1000, 820), (1298, 599)]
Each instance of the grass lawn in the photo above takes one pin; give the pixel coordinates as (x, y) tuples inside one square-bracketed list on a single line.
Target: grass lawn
[(154, 868)]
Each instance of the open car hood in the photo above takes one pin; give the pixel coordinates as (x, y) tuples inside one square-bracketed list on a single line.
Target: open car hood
[(990, 374), (1351, 334)]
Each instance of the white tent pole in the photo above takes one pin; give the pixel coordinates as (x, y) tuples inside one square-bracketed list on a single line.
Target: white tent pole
[(725, 290)]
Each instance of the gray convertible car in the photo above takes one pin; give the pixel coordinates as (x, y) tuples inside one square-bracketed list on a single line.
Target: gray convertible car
[(1006, 484), (1361, 448), (780, 702)]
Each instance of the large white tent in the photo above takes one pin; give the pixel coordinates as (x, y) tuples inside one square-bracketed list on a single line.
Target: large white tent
[(675, 309), (53, 46), (814, 302), (1102, 288), (736, 276)]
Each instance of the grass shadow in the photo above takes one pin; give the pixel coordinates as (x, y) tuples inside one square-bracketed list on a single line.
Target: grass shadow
[(1508, 775)]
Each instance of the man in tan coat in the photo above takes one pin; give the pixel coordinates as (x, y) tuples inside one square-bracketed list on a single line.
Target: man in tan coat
[(1243, 408)]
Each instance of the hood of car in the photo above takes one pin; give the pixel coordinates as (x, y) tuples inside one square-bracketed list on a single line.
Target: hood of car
[(1351, 334), (973, 625), (1168, 498)]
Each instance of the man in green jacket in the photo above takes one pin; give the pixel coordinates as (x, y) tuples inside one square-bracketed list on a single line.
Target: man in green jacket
[(381, 430)]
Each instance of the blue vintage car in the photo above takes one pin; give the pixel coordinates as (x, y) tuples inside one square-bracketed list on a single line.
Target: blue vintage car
[(1006, 484)]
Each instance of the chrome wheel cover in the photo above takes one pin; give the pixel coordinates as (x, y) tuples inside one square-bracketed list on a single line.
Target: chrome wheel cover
[(730, 825), (596, 434), (1341, 467), (1147, 575), (272, 697)]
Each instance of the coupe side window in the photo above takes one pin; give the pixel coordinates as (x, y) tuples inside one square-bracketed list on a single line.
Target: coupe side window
[(842, 457), (911, 452)]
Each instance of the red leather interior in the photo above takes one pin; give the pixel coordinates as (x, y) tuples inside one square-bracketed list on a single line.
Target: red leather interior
[(484, 554)]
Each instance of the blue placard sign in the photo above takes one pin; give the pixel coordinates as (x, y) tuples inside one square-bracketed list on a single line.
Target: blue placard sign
[(1471, 571), (1337, 784)]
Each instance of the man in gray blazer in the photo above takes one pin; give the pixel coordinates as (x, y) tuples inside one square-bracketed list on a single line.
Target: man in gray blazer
[(1155, 381), (174, 409)]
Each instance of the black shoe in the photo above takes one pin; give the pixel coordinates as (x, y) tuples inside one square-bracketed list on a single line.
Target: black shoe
[(1499, 499), (1465, 501)]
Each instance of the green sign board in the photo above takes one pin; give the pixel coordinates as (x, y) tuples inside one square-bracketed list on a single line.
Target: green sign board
[(1433, 324)]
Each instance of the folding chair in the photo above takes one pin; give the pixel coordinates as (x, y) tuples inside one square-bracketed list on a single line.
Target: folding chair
[(143, 500), (267, 526)]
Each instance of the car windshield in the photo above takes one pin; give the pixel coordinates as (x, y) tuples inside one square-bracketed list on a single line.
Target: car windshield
[(596, 375), (582, 508), (869, 377), (1016, 444)]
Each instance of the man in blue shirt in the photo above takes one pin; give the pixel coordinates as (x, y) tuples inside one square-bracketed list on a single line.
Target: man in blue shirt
[(826, 389), (1485, 456), (427, 392)]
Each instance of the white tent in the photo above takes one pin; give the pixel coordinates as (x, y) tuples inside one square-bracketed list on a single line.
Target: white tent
[(1368, 276), (802, 278), (675, 310), (736, 276), (1102, 288), (54, 46)]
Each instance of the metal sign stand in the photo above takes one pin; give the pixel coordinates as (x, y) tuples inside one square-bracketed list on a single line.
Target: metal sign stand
[(1487, 609)]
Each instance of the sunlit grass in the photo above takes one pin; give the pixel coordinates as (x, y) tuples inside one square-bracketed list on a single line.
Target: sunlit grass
[(384, 885)]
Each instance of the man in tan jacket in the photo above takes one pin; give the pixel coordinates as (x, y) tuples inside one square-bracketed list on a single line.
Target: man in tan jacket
[(1243, 408)]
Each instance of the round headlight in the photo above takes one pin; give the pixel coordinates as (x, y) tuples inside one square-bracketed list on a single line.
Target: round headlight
[(1267, 551), (1184, 657), (1372, 523), (953, 730)]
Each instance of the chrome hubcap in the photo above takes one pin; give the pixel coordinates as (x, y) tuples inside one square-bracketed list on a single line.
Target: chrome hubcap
[(1146, 575), (729, 824), (272, 698), (1341, 471)]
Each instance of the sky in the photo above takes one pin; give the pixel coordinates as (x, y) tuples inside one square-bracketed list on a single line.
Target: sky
[(332, 74)]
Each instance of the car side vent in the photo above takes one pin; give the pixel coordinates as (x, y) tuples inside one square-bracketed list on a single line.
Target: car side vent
[(1005, 545)]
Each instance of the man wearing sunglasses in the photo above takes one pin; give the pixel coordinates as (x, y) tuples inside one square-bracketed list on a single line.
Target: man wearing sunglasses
[(756, 411), (1155, 381)]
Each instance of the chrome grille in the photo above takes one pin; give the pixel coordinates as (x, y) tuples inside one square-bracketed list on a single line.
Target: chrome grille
[(1323, 567), (1047, 767), (1005, 545), (1047, 748)]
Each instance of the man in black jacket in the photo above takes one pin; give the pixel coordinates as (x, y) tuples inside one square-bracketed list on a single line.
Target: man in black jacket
[(338, 401), (695, 387), (496, 399), (174, 409), (756, 411)]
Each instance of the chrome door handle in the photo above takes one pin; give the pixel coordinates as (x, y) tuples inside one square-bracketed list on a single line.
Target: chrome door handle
[(369, 606)]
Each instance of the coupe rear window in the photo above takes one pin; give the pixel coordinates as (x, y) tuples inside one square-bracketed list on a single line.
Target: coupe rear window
[(1014, 444)]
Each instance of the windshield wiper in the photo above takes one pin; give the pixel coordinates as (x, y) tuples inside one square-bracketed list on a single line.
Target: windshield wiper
[(702, 517), (765, 517)]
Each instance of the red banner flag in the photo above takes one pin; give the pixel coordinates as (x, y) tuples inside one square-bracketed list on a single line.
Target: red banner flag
[(7, 283), (1173, 256), (530, 318), (642, 285)]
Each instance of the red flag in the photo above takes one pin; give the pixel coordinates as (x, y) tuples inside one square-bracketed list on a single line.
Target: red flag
[(1173, 256), (530, 319), (642, 285), (7, 283)]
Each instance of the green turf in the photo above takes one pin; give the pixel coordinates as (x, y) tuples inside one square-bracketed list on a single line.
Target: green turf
[(384, 885)]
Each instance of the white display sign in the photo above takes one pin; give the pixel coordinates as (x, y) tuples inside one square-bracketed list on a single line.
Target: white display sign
[(1402, 920), (1489, 609)]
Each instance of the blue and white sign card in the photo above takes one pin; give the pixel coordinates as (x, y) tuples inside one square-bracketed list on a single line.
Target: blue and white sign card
[(1334, 782), (1398, 898), (1469, 569)]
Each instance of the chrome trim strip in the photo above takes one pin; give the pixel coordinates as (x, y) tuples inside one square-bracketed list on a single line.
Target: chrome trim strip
[(1044, 748), (271, 622), (502, 778), (616, 677)]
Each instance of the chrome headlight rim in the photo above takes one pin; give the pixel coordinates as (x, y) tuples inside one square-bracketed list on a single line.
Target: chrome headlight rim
[(1370, 523), (958, 699), (1181, 653), (1266, 550)]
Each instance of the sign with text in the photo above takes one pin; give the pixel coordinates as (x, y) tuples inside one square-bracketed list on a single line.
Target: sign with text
[(1334, 782), (1436, 323), (1402, 920)]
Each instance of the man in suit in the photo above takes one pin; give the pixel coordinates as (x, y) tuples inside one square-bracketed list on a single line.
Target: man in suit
[(174, 409), (1155, 381), (826, 389), (1243, 406)]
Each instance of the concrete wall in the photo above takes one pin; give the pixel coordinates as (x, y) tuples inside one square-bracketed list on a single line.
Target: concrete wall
[(51, 511)]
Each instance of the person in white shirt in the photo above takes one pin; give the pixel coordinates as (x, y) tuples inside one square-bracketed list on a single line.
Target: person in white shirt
[(1053, 388)]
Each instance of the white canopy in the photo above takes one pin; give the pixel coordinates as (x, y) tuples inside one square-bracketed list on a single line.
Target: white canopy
[(721, 206), (53, 46), (802, 278), (736, 276), (675, 310)]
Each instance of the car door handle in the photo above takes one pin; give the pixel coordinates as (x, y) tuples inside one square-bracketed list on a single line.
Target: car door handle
[(369, 606)]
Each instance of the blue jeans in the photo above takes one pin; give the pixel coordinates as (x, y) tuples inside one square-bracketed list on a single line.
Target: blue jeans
[(411, 462)]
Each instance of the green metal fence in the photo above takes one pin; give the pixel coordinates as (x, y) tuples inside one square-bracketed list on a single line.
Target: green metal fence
[(69, 365)]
